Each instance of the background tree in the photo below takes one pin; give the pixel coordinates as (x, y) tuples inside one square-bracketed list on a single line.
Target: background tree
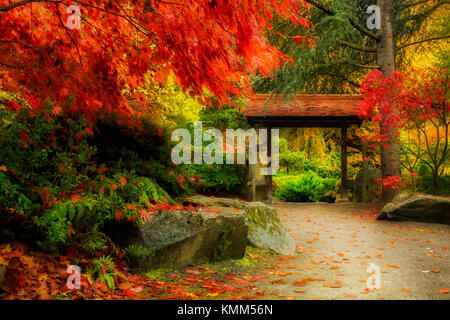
[(421, 98), (346, 51)]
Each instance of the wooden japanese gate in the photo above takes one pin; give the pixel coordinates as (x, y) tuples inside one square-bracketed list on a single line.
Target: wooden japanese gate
[(307, 111)]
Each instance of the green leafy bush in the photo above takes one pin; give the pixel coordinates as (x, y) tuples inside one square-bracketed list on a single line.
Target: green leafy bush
[(308, 187), (424, 184), (144, 148), (60, 182), (219, 178), (125, 193), (56, 223)]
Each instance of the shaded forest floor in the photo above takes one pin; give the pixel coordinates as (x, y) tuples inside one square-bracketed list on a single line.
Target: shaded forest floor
[(336, 243)]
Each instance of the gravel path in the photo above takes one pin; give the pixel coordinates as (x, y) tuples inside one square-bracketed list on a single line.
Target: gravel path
[(338, 242)]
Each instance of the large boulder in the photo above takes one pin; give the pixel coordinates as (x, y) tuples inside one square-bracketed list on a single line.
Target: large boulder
[(417, 207), (180, 238), (2, 275), (373, 185), (265, 230)]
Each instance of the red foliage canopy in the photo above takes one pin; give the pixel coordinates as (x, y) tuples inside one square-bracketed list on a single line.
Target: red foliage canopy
[(421, 93), (420, 96), (207, 44)]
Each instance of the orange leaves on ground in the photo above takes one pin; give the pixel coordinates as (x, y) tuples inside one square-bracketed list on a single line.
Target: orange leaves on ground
[(291, 267), (286, 258), (31, 277), (273, 267), (337, 285), (279, 281), (213, 211), (393, 266), (299, 283), (406, 290), (443, 291), (191, 279), (435, 271), (192, 272)]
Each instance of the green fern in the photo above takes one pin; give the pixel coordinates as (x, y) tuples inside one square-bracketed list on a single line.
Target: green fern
[(152, 191), (82, 214), (137, 251), (104, 270)]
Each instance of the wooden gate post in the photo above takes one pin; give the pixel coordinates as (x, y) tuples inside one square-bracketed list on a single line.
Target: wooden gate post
[(269, 155), (365, 173), (344, 178)]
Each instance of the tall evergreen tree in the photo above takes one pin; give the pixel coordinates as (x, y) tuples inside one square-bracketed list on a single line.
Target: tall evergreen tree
[(346, 50)]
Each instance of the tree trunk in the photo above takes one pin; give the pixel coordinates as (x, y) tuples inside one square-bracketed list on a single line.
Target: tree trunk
[(435, 182), (390, 154), (364, 172)]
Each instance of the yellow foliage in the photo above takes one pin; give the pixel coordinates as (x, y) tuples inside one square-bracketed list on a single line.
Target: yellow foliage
[(167, 104)]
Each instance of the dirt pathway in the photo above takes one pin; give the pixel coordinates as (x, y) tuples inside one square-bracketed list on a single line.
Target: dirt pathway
[(338, 242)]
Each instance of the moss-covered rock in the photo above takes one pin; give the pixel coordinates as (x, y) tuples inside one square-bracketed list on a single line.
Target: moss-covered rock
[(265, 228), (180, 238)]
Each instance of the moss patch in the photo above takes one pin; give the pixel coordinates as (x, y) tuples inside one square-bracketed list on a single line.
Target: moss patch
[(223, 243), (263, 217), (161, 273)]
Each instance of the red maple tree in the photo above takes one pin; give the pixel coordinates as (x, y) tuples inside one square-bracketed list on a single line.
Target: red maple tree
[(209, 45), (422, 99)]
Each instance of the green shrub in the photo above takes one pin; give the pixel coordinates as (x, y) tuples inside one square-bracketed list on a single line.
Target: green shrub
[(124, 192), (219, 178), (424, 184), (61, 179), (55, 224), (144, 148), (308, 187)]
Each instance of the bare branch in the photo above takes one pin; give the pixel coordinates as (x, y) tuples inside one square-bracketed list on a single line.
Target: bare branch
[(356, 47), (422, 41)]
